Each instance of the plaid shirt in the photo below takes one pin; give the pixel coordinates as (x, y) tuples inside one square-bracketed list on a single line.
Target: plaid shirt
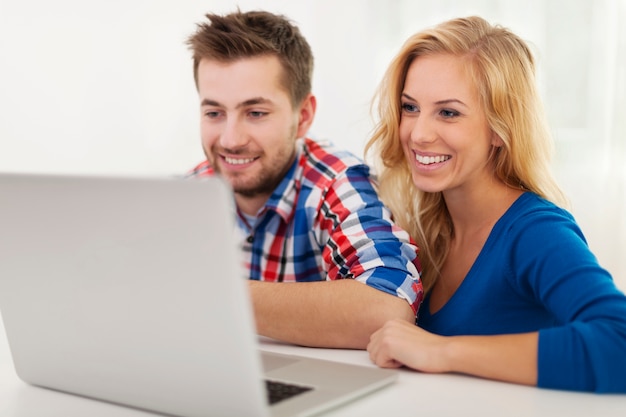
[(324, 221)]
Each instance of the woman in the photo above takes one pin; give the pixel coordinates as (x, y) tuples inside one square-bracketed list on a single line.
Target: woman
[(513, 291)]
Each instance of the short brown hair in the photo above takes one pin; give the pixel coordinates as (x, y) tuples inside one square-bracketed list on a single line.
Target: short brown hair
[(240, 35)]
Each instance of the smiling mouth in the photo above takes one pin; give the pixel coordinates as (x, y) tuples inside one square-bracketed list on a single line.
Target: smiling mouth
[(427, 160), (238, 161)]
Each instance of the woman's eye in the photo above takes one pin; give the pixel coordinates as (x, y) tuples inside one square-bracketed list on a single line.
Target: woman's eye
[(449, 113), (409, 108)]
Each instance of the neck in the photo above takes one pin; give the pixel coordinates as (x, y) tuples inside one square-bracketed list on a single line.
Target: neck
[(251, 205), (481, 208)]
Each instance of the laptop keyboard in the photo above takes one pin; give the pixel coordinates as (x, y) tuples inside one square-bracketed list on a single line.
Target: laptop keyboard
[(278, 391)]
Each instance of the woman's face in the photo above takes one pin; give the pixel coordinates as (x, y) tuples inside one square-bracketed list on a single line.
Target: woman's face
[(443, 128)]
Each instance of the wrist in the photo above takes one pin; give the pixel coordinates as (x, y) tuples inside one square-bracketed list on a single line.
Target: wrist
[(452, 354)]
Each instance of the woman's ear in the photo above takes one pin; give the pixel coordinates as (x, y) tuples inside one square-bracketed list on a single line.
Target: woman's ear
[(496, 140)]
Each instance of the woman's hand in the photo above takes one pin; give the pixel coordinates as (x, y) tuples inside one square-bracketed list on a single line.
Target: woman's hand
[(400, 343), (511, 357)]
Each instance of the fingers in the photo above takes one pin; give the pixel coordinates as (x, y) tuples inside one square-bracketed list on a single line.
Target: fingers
[(399, 343), (380, 347)]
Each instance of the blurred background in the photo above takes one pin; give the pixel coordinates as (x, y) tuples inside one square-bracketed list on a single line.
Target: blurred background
[(107, 87)]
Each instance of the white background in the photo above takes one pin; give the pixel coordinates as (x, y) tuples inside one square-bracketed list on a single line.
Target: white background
[(106, 87)]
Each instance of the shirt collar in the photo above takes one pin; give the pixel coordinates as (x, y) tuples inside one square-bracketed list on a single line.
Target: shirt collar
[(283, 199)]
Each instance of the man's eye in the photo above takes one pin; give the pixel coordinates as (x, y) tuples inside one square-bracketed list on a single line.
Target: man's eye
[(257, 114), (211, 114)]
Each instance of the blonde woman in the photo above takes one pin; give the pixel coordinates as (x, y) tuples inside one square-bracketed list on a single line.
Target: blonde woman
[(513, 292)]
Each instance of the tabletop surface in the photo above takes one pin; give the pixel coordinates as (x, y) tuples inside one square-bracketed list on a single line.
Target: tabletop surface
[(413, 394)]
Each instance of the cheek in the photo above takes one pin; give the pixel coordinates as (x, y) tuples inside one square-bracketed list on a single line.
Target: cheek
[(404, 144), (208, 142), (403, 147), (404, 130), (208, 134), (277, 134)]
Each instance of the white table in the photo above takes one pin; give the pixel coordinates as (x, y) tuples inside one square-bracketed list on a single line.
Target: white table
[(414, 394)]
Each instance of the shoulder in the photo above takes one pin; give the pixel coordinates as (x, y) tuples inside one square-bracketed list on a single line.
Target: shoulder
[(544, 241), (533, 214), (536, 226), (323, 162)]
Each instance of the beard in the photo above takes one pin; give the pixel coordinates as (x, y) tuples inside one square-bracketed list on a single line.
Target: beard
[(264, 179), (266, 182), (268, 171)]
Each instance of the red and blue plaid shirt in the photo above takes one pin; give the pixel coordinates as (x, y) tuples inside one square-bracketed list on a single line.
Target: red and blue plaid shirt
[(325, 221)]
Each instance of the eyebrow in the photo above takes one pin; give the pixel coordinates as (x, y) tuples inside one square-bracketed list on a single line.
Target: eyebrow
[(250, 102), (439, 102)]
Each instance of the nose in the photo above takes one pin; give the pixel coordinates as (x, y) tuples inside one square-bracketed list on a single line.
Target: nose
[(233, 136), (422, 129)]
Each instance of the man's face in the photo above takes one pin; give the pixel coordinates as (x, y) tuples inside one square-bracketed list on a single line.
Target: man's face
[(248, 124)]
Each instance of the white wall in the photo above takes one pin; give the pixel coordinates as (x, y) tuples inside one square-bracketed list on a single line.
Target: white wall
[(107, 87)]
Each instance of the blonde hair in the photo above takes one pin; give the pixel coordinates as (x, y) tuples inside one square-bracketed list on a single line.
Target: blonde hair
[(503, 69)]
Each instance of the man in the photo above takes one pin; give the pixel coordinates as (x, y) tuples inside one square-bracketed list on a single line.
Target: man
[(308, 212)]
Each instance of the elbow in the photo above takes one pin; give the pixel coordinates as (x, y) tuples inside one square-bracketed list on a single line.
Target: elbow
[(391, 308)]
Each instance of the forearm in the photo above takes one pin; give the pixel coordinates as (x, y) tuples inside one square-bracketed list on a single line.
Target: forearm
[(510, 358), (336, 314)]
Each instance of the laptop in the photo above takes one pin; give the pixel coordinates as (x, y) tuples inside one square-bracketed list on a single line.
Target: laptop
[(130, 290)]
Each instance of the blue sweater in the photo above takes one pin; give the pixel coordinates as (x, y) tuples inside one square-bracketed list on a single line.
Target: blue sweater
[(536, 272)]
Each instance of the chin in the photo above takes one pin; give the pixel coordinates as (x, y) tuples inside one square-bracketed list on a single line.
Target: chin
[(246, 188), (426, 186)]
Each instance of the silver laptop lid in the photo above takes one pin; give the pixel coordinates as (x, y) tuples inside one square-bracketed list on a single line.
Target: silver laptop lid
[(75, 253)]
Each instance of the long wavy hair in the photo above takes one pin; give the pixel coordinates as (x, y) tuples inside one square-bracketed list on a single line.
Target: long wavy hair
[(503, 69)]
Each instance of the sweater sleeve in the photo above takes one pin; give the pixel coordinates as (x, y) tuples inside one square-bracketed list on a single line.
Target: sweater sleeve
[(586, 350)]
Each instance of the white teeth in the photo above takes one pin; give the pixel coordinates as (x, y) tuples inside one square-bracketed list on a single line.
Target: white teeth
[(427, 160), (238, 161)]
